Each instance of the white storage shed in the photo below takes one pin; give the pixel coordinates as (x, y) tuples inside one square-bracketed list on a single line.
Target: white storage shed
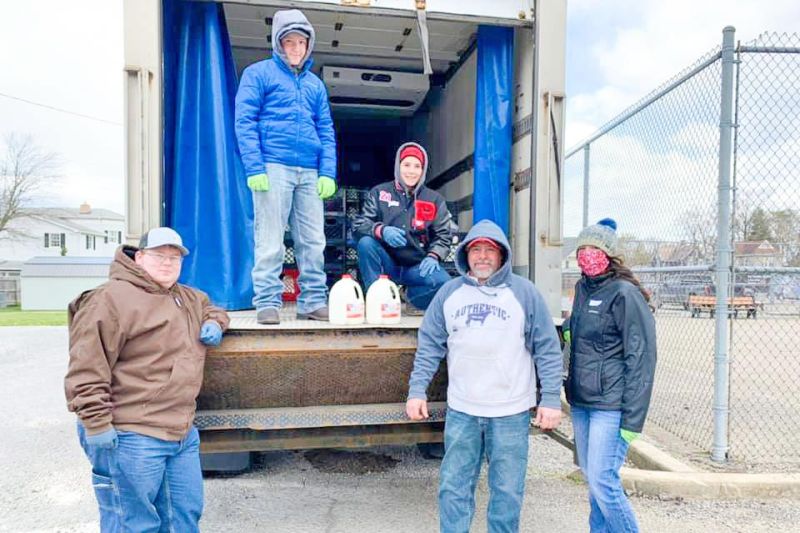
[(50, 283)]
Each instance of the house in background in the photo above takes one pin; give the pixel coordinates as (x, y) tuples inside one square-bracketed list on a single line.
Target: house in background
[(57, 231), (761, 254), (674, 254)]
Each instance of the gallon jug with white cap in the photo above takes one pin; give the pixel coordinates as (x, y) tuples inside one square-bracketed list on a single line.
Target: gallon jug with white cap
[(383, 302), (346, 302)]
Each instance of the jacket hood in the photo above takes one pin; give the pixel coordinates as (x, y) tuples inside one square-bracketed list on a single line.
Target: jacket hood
[(485, 228), (285, 22), (124, 268), (397, 179)]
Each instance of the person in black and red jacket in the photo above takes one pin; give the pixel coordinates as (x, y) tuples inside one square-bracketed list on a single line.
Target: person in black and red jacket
[(405, 230)]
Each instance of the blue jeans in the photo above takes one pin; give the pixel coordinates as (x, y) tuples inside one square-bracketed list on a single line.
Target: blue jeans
[(601, 453), (505, 442), (147, 484), (374, 260), (292, 199)]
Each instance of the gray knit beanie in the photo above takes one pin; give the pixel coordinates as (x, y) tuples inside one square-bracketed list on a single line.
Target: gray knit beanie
[(602, 235)]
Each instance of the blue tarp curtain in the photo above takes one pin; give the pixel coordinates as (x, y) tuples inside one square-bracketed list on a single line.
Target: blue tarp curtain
[(493, 115), (206, 195)]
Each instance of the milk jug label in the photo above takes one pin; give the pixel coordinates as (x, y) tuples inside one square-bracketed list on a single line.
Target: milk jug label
[(355, 310), (390, 310)]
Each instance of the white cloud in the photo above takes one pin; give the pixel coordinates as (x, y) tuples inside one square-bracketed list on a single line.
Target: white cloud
[(67, 55), (651, 170), (634, 60)]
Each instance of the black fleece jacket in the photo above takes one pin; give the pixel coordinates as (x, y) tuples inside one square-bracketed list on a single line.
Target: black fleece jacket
[(613, 354)]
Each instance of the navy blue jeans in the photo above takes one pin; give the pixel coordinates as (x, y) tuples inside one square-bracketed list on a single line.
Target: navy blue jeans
[(374, 260), (147, 484), (601, 453), (504, 441)]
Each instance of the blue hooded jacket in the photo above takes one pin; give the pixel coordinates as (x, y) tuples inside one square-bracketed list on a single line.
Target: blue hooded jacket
[(283, 115), (492, 335)]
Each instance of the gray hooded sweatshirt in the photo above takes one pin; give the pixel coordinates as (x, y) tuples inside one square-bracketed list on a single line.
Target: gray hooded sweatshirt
[(495, 336)]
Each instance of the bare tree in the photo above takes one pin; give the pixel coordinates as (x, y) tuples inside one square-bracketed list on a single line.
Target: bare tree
[(743, 214), (700, 229), (24, 168)]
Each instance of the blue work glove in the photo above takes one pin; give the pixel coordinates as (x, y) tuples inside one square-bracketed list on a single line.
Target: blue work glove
[(428, 266), (258, 183), (210, 333), (106, 439), (394, 237), (326, 187)]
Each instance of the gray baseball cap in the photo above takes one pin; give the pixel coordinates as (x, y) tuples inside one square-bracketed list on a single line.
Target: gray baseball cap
[(162, 237)]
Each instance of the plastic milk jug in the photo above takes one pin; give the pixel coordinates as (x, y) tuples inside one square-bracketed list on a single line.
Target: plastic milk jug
[(383, 302), (346, 303)]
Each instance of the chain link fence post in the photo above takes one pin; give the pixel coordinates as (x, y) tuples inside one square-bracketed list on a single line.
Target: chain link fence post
[(586, 155), (719, 448)]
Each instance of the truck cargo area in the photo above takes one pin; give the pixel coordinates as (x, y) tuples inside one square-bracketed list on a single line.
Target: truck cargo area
[(461, 81), (372, 65)]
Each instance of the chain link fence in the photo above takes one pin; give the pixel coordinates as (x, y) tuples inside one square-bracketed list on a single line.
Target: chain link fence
[(656, 170)]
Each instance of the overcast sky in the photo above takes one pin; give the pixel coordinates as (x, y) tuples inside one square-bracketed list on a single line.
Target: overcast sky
[(68, 55)]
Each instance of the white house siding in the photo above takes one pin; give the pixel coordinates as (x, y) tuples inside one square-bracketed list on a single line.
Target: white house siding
[(32, 245)]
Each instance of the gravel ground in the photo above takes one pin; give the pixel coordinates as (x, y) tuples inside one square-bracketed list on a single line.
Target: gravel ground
[(45, 486)]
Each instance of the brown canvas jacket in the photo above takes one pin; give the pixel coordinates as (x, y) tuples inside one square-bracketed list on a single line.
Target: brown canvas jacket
[(135, 358)]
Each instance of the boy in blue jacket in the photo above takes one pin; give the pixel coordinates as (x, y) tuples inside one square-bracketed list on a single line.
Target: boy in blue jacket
[(288, 148), (492, 326)]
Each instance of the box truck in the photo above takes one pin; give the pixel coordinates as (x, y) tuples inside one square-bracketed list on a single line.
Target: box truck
[(480, 84)]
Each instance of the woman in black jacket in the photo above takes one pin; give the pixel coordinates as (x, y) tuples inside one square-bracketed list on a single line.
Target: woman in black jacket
[(611, 369)]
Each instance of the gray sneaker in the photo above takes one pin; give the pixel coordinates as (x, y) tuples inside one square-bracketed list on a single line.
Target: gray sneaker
[(317, 314), (268, 315)]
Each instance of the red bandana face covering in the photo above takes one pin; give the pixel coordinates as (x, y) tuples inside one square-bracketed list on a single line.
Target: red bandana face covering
[(592, 261)]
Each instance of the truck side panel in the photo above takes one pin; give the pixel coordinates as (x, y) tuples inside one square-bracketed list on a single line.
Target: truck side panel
[(448, 132), (143, 139)]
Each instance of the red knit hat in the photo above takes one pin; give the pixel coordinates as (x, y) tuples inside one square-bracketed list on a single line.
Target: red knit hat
[(412, 151)]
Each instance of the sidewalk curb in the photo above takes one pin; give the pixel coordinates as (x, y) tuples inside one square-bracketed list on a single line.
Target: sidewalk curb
[(648, 457), (710, 485), (659, 474)]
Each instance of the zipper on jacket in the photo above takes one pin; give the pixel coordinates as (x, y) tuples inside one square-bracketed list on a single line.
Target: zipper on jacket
[(297, 117), (179, 303)]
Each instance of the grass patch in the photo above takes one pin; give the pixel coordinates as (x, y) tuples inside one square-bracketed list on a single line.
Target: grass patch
[(14, 316)]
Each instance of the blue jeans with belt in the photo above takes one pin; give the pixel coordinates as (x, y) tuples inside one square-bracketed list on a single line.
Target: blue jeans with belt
[(601, 453), (504, 441), (147, 484)]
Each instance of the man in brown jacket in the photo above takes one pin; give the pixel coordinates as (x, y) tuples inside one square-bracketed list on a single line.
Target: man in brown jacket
[(137, 346)]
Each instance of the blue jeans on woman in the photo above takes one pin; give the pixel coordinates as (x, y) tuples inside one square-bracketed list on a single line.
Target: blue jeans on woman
[(374, 260), (601, 453), (147, 484), (504, 440), (291, 199)]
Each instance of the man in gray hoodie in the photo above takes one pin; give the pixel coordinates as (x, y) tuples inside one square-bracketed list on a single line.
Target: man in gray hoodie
[(496, 332)]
